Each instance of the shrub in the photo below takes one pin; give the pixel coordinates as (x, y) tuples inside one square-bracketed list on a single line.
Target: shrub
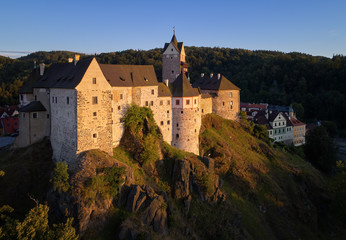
[(150, 151), (61, 177)]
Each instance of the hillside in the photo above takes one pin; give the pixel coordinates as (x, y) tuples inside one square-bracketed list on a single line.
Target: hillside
[(240, 188), (317, 83)]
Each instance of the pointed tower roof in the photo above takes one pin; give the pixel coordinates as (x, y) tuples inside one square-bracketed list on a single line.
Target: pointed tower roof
[(176, 44), (181, 87)]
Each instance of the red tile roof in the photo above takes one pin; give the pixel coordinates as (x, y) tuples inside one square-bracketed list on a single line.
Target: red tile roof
[(295, 122)]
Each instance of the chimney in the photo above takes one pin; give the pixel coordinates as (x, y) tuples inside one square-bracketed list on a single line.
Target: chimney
[(70, 60), (76, 58), (211, 75), (166, 82), (42, 65), (202, 75), (218, 76)]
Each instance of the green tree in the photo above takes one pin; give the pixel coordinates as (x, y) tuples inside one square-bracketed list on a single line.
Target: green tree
[(60, 177), (319, 150), (298, 109)]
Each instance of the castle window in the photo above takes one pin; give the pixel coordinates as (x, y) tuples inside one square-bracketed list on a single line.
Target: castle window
[(152, 103), (35, 97), (146, 103), (168, 122), (231, 102), (68, 100), (177, 136), (167, 111), (231, 107), (94, 114), (94, 80), (121, 96), (52, 99), (152, 91), (195, 130), (94, 135), (172, 71), (168, 102), (94, 100), (223, 103), (34, 115), (111, 109), (230, 94), (21, 97), (177, 102), (161, 102), (161, 123), (187, 102), (202, 110), (177, 124), (195, 101), (47, 115), (23, 115), (171, 49), (56, 99), (119, 108), (182, 112)]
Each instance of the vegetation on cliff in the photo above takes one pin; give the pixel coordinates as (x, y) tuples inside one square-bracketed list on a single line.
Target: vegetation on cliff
[(241, 186)]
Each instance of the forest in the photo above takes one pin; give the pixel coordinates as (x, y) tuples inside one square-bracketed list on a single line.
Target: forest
[(316, 85)]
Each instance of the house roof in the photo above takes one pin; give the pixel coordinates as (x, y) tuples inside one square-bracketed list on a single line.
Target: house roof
[(214, 83), (262, 120), (295, 122), (176, 44), (8, 110), (181, 87), (35, 106), (206, 95), (64, 75), (10, 124), (164, 90), (272, 116), (253, 105), (29, 83), (129, 75)]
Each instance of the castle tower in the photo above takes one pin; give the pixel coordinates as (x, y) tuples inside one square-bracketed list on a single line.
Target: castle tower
[(173, 60), (186, 115)]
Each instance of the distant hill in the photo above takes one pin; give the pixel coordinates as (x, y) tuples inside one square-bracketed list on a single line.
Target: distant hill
[(318, 83)]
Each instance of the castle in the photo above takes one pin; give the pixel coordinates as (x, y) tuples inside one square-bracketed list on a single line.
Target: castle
[(79, 104)]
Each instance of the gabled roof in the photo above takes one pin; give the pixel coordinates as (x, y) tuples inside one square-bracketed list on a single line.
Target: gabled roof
[(181, 87), (215, 83), (28, 85), (35, 106), (164, 90), (176, 44), (64, 75), (8, 110), (273, 115), (129, 75), (295, 122)]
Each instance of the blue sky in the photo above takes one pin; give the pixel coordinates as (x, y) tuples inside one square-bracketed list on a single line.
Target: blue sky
[(310, 26)]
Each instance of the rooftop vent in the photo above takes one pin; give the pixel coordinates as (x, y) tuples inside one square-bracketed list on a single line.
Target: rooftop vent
[(42, 65), (218, 76), (70, 60), (76, 59)]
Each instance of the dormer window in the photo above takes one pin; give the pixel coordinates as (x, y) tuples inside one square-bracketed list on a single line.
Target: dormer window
[(177, 102)]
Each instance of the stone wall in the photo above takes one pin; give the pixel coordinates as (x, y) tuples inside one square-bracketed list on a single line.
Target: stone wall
[(206, 105), (186, 126), (122, 99), (64, 124), (94, 111), (226, 104), (163, 117)]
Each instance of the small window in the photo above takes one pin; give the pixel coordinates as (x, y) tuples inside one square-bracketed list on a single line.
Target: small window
[(94, 114), (47, 115), (187, 102), (177, 136), (195, 130), (52, 99), (172, 71), (230, 94), (21, 97), (167, 111), (182, 112), (223, 103), (152, 103), (202, 110), (171, 49), (161, 123), (168, 102), (146, 103), (152, 91), (119, 108), (121, 96), (161, 103), (94, 100), (68, 100), (95, 135), (177, 124), (168, 122), (94, 80), (177, 102), (231, 102), (56, 99), (35, 97), (34, 115), (195, 101)]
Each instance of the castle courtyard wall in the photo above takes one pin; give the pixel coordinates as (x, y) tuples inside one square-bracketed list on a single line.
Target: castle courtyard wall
[(206, 105)]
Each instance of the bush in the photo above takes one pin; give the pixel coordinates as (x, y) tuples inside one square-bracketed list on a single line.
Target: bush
[(61, 177), (150, 152)]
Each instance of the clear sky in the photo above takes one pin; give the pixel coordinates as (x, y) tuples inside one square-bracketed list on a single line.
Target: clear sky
[(316, 27)]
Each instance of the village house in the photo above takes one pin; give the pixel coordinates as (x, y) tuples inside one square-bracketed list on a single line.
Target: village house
[(79, 104)]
